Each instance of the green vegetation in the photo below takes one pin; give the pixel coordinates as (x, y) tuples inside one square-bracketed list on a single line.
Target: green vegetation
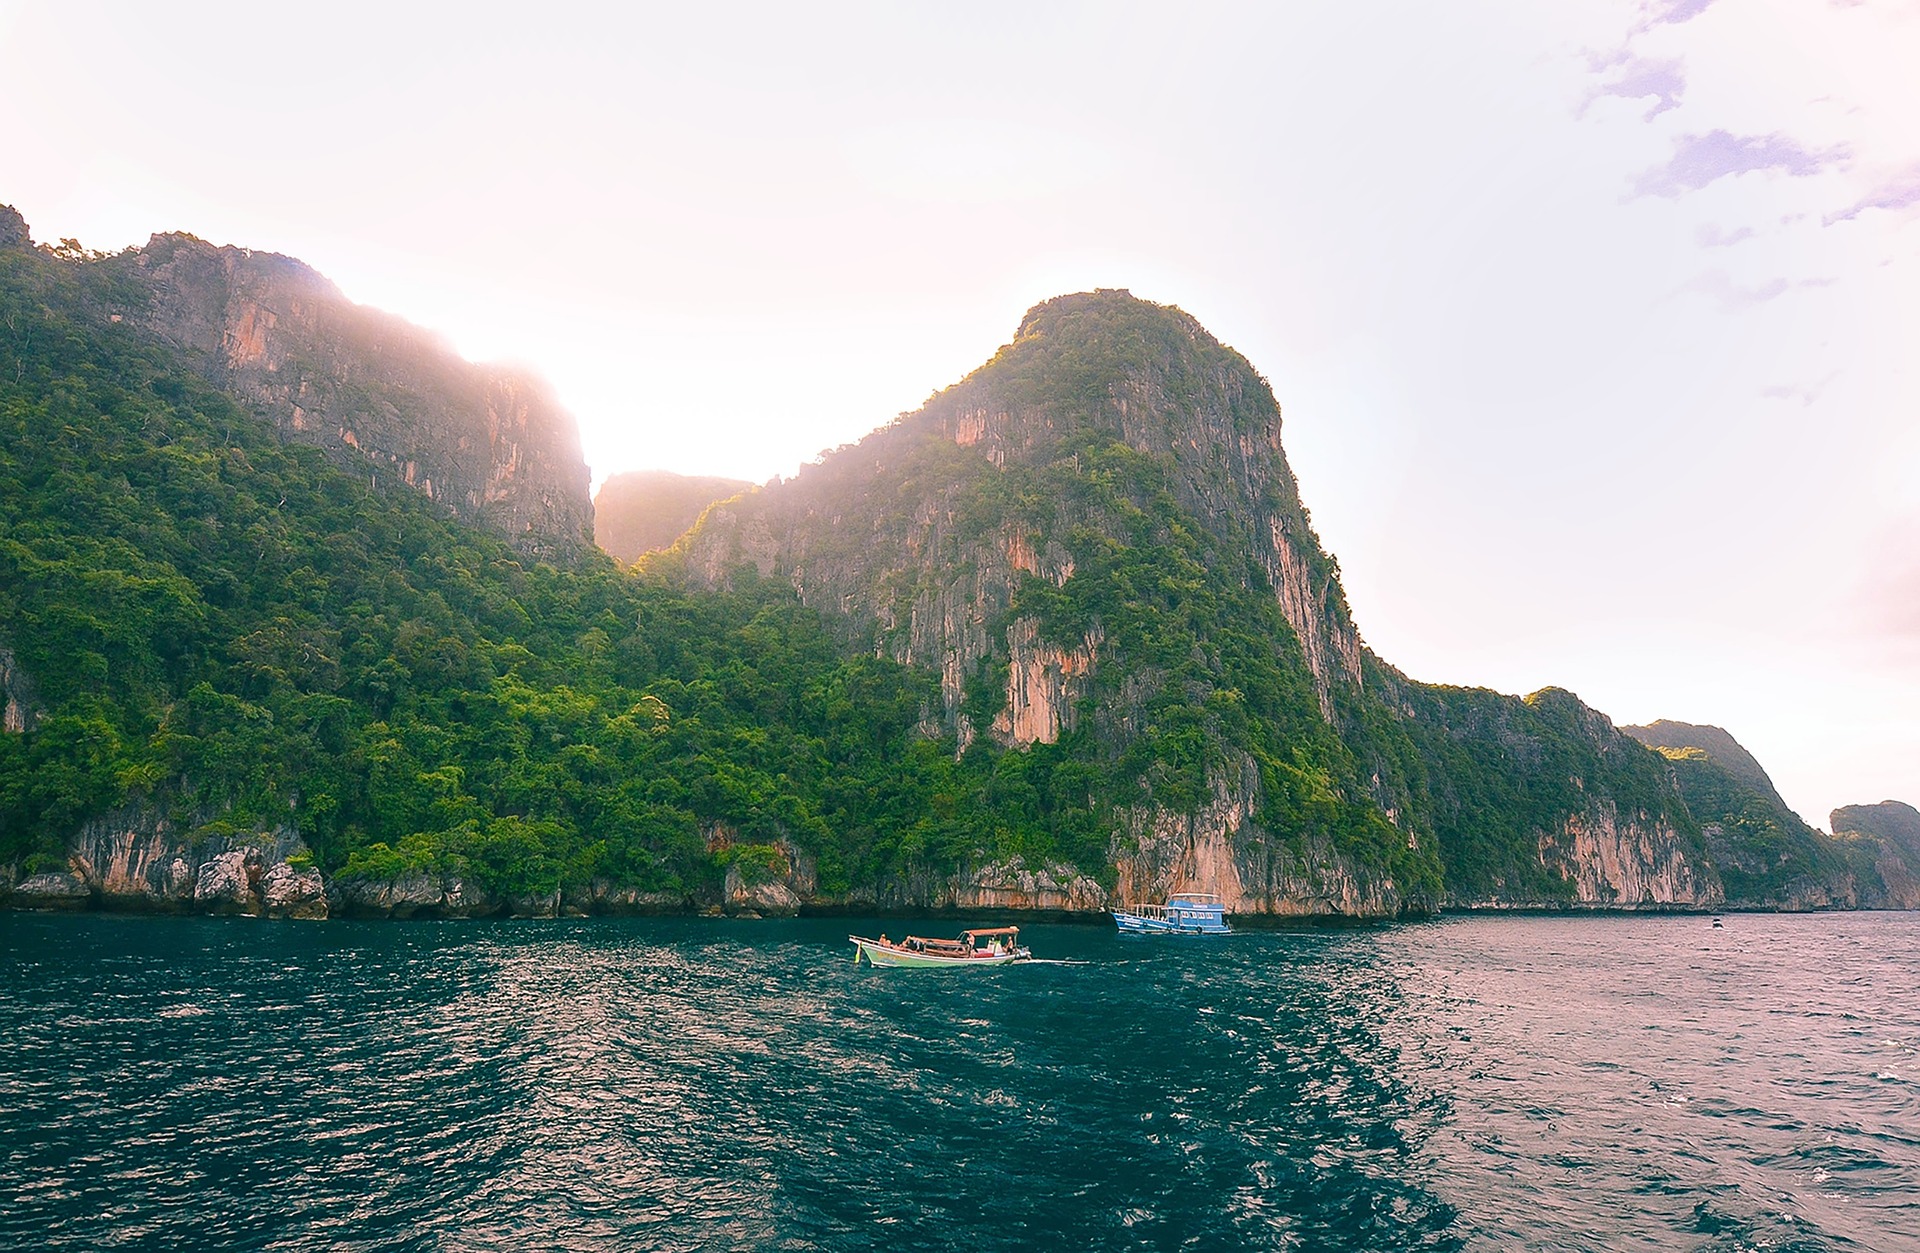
[(1196, 653), (1765, 853), (244, 635), (239, 632), (1503, 772)]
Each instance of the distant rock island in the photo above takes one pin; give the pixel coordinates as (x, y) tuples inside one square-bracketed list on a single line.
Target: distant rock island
[(644, 511), (299, 617), (1767, 855)]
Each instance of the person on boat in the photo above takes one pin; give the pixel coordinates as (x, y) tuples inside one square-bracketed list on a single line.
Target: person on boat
[(884, 941)]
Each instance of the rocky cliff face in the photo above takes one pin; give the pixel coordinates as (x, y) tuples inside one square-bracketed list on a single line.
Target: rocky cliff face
[(1542, 803), (135, 859), (490, 444), (1631, 861), (959, 539), (13, 229), (19, 704), (1221, 847), (1889, 835)]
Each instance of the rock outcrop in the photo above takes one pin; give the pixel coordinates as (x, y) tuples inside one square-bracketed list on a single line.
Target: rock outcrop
[(19, 704), (136, 859), (53, 890), (1047, 887), (290, 892), (1889, 835), (416, 894), (490, 444), (13, 229)]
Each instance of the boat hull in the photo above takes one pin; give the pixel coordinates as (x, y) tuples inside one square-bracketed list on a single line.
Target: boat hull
[(1139, 924), (878, 954)]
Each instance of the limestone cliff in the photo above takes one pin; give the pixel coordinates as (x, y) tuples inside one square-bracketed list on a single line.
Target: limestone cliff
[(13, 229), (491, 444), (137, 859), (1767, 856), (1543, 803), (1630, 861), (1034, 533), (19, 705)]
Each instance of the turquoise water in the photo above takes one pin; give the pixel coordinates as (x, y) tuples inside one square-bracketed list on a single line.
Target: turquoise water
[(1497, 1083)]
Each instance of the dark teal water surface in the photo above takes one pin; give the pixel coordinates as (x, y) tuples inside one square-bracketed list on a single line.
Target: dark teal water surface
[(1478, 1083)]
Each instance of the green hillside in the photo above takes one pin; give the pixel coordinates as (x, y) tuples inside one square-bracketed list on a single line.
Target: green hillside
[(1070, 619), (239, 633)]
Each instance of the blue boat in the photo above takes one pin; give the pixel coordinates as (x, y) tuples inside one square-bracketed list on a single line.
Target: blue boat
[(1185, 913)]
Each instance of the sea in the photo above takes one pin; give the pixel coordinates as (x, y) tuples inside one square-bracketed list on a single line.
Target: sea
[(1551, 1083)]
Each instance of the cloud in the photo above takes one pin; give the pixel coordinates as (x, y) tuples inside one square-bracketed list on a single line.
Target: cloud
[(1639, 78), (1899, 192), (1711, 236), (1702, 159), (1805, 393), (1672, 12), (1719, 285)]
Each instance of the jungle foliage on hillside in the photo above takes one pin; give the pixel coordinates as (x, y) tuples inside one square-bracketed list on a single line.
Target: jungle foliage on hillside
[(1764, 851), (1502, 772), (1107, 412), (243, 634), (1199, 667)]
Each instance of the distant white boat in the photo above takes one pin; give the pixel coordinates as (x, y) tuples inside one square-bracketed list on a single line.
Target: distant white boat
[(1185, 913)]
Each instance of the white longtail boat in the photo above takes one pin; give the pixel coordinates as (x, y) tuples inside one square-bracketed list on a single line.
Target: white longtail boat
[(984, 946)]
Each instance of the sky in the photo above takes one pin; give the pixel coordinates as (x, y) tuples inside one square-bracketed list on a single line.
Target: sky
[(1594, 323)]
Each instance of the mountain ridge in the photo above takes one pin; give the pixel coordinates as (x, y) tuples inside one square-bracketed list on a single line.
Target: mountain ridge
[(1768, 856), (1083, 535), (1063, 637), (488, 443)]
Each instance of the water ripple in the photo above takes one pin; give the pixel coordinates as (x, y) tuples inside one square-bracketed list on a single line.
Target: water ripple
[(1499, 1084)]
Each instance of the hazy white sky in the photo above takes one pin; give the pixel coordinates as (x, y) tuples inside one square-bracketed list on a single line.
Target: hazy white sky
[(1594, 322)]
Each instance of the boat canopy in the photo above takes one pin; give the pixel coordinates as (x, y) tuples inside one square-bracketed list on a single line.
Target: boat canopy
[(989, 932)]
